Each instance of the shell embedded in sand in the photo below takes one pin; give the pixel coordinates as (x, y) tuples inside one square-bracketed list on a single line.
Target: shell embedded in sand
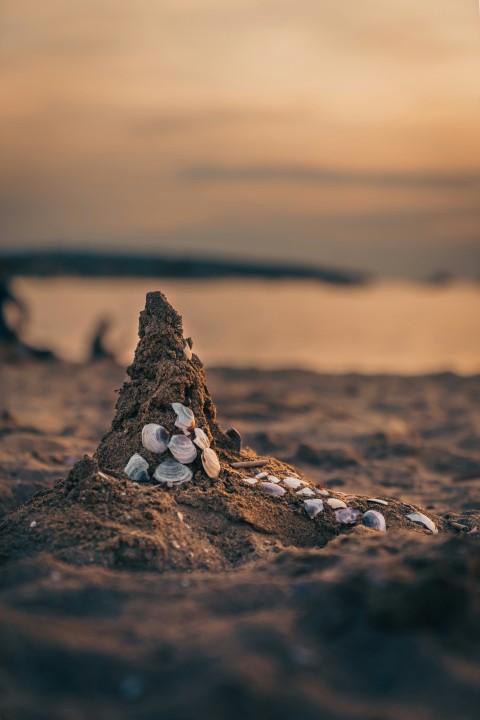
[(305, 492), (201, 439), (347, 516), (374, 520), (377, 501), (172, 473), (235, 437), (322, 491), (313, 507), (423, 520), (273, 479), (155, 438), (187, 350), (211, 463), (250, 481), (335, 503), (293, 483), (185, 417), (137, 468), (271, 489), (182, 449)]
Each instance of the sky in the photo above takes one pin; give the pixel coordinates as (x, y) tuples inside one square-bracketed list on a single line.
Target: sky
[(331, 132)]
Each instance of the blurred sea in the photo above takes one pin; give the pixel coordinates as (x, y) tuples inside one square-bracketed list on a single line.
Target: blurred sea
[(387, 327)]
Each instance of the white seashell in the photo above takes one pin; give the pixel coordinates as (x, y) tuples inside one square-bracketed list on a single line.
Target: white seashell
[(322, 491), (377, 501), (155, 438), (313, 507), (374, 520), (305, 492), (187, 350), (335, 503), (211, 463), (273, 479), (250, 481), (271, 489), (261, 475), (201, 439), (293, 483), (172, 473), (137, 468), (423, 520), (347, 516), (182, 449), (185, 417)]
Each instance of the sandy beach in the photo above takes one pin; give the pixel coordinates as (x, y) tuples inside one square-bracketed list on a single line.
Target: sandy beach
[(267, 619)]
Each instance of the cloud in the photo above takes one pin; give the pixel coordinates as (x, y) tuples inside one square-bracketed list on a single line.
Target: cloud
[(327, 176)]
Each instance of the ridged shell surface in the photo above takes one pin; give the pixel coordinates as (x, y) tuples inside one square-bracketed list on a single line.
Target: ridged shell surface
[(185, 417), (155, 438), (182, 449), (201, 439), (137, 468), (211, 463), (172, 473)]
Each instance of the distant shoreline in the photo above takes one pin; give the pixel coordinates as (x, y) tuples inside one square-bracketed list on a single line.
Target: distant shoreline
[(86, 264)]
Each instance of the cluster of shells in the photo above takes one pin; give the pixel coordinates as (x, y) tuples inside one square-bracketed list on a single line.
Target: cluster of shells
[(313, 504), (174, 472)]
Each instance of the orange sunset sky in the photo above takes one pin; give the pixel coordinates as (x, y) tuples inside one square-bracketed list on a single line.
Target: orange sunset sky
[(335, 131)]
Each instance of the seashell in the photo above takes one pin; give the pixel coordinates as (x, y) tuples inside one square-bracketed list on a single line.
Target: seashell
[(250, 481), (235, 437), (313, 507), (322, 491), (423, 520), (377, 501), (172, 473), (155, 438), (293, 483), (211, 463), (335, 503), (201, 439), (261, 475), (185, 417), (271, 489), (273, 478), (182, 449), (305, 492), (187, 350), (137, 468), (375, 520), (347, 516)]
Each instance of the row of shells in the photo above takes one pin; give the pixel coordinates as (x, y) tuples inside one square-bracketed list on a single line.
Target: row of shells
[(272, 485), (158, 440)]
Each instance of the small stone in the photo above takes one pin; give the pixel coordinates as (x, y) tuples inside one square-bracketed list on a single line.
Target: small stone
[(313, 507), (347, 516), (33, 524), (335, 503)]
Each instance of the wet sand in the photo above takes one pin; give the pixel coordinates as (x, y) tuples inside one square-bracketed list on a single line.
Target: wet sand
[(370, 626)]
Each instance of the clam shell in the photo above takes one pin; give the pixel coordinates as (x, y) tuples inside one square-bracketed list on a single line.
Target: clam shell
[(335, 503), (273, 478), (250, 481), (305, 492), (211, 463), (293, 483), (322, 491), (375, 520), (261, 475), (182, 449), (172, 473), (155, 438), (201, 439), (347, 516), (313, 507), (271, 489), (185, 417), (423, 520), (235, 437), (377, 501), (137, 468), (187, 350)]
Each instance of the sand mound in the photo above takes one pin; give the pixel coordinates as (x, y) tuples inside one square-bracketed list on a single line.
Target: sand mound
[(98, 515)]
